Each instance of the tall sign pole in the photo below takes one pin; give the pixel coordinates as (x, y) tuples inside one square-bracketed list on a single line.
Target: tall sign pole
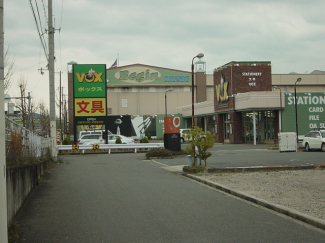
[(3, 187), (51, 82)]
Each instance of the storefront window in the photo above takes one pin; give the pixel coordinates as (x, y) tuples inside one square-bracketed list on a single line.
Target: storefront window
[(248, 127), (264, 123), (226, 118), (269, 125)]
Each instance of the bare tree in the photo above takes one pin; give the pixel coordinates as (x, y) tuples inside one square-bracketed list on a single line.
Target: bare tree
[(32, 115), (44, 119), (9, 62), (22, 105)]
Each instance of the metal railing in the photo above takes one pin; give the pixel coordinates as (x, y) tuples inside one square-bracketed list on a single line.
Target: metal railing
[(109, 147)]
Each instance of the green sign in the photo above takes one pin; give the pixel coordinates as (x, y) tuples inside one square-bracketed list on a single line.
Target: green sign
[(310, 112), (89, 80), (89, 91), (141, 74)]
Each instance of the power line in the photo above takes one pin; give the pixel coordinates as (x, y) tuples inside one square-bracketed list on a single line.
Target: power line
[(61, 14), (40, 22), (44, 10), (38, 30), (60, 34)]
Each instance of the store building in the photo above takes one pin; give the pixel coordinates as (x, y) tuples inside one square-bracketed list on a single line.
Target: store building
[(253, 106), (241, 102), (141, 95)]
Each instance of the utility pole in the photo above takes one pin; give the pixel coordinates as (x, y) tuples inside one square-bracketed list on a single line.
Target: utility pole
[(61, 93), (29, 112), (3, 186), (51, 31), (65, 117)]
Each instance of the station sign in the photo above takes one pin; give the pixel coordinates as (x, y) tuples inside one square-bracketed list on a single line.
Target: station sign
[(310, 112)]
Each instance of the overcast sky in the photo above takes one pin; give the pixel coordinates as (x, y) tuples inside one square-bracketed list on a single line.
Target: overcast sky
[(164, 33)]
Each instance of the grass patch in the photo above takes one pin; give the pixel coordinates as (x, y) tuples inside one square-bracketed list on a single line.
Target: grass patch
[(198, 167), (12, 232), (220, 174)]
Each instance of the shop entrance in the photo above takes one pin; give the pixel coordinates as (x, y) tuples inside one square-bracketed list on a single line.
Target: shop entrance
[(263, 126)]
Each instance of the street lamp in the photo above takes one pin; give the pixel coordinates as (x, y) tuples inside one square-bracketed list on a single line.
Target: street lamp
[(276, 87), (170, 90), (298, 80), (200, 55)]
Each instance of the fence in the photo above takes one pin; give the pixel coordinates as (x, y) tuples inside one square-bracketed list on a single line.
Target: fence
[(22, 178), (31, 143), (109, 147)]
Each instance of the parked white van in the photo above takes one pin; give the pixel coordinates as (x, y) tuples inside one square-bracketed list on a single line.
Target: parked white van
[(93, 132)]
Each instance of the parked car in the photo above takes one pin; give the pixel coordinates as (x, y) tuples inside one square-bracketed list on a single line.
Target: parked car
[(90, 139), (314, 140), (125, 140), (182, 134), (98, 139), (93, 132)]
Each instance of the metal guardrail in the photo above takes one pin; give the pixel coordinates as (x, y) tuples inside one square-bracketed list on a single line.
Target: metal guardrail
[(109, 147)]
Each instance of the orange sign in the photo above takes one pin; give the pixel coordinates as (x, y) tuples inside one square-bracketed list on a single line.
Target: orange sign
[(90, 106), (172, 124)]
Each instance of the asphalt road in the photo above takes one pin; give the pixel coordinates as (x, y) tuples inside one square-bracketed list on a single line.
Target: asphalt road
[(124, 198)]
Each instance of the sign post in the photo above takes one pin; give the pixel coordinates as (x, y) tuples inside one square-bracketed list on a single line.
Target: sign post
[(172, 140)]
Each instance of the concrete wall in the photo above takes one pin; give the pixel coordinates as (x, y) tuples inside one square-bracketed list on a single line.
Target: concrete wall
[(20, 182), (144, 103)]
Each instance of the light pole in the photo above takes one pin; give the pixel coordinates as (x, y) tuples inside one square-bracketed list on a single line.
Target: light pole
[(200, 55), (276, 87), (298, 80), (170, 90)]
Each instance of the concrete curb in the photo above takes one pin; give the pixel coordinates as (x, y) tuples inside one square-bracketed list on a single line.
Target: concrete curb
[(187, 169), (278, 208)]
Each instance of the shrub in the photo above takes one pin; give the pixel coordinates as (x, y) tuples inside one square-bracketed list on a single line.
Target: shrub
[(162, 152), (15, 148), (158, 152), (201, 141), (118, 140), (178, 153), (145, 140), (203, 145), (149, 136), (66, 141)]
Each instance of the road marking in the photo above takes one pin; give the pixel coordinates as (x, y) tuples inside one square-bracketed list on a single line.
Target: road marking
[(155, 163)]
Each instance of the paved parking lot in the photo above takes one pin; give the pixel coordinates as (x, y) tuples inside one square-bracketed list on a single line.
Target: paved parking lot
[(242, 155)]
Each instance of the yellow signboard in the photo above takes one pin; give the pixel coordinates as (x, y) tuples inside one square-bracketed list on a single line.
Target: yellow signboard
[(75, 147)]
